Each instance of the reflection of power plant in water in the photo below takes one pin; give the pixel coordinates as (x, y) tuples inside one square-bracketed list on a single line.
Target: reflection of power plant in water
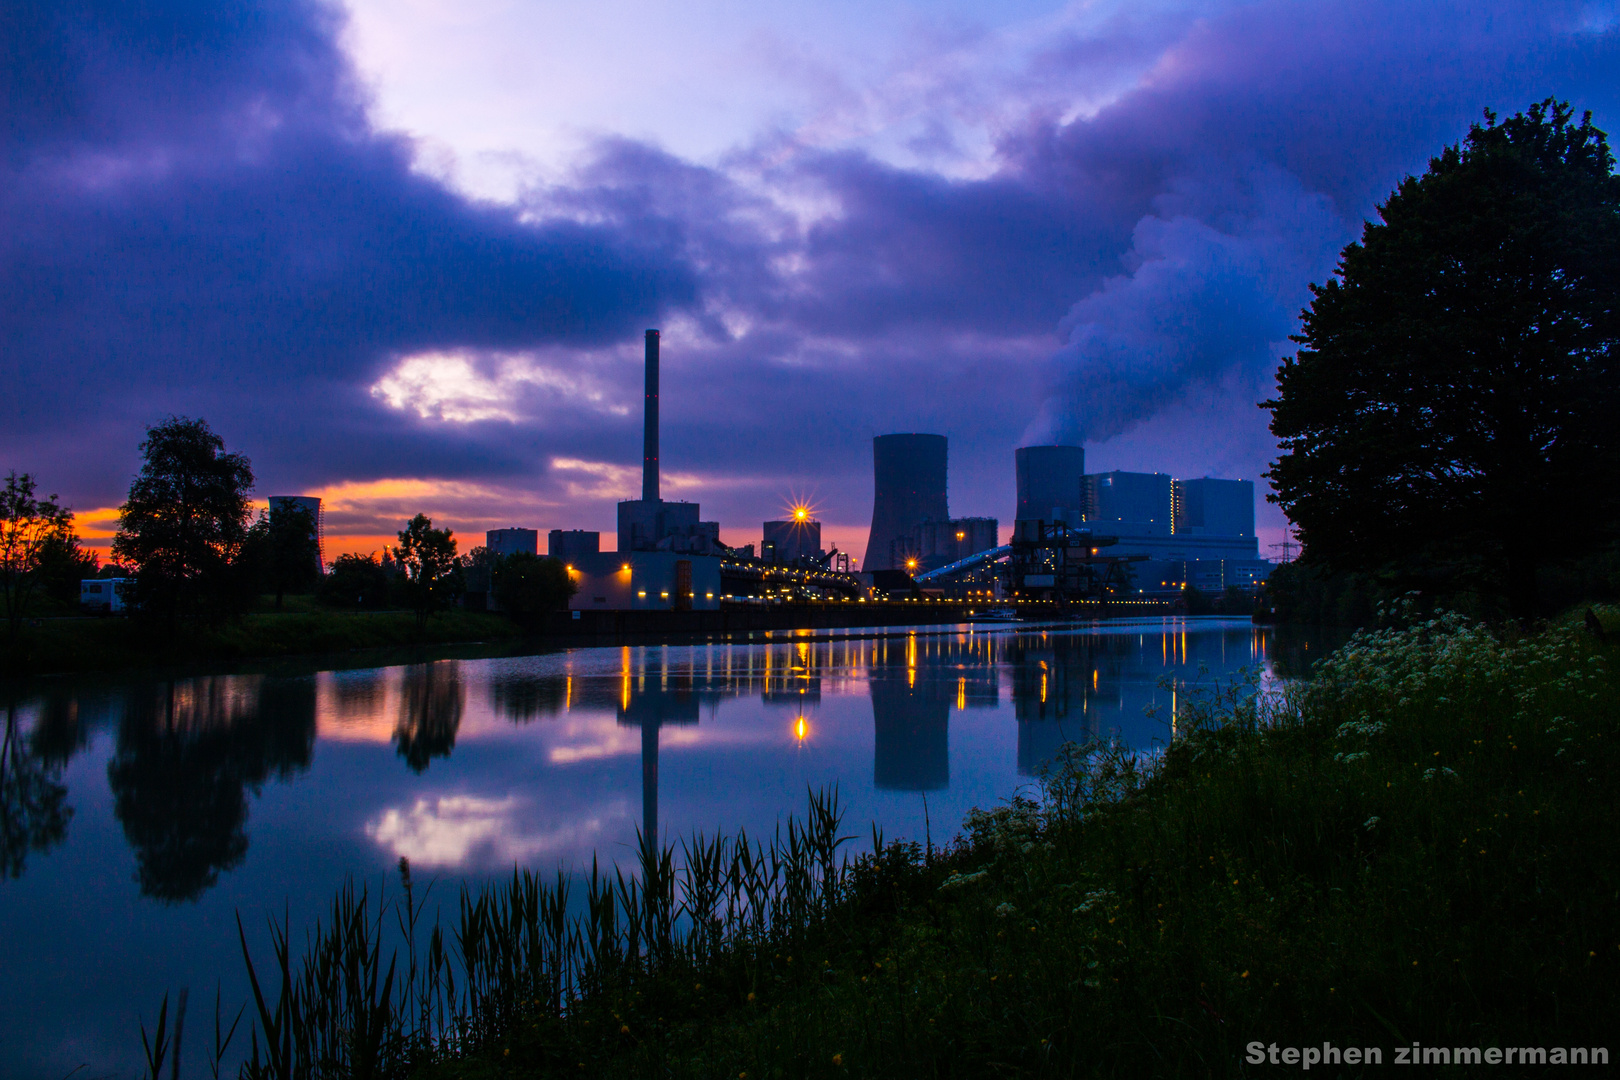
[(650, 702), (911, 725), (1056, 689)]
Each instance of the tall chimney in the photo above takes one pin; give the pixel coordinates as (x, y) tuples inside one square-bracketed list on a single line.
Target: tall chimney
[(649, 436)]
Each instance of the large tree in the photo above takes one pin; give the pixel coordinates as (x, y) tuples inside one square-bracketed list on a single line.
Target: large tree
[(185, 522), (1449, 419)]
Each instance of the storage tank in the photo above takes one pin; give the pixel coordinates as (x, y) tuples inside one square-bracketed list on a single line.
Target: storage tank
[(908, 474)]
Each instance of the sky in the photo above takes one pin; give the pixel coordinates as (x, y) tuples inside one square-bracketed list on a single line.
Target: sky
[(401, 254)]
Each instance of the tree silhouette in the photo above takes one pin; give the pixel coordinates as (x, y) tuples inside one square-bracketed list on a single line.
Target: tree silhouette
[(1448, 420), (185, 522), (34, 814), (429, 712), (185, 760)]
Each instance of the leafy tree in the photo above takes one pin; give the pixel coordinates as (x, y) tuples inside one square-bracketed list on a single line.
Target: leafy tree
[(34, 813), (185, 522), (1449, 419), (27, 524), (63, 564), (285, 551), (526, 584), (430, 573), (355, 581)]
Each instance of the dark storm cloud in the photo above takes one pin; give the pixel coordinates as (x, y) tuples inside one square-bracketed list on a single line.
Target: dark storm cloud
[(196, 216)]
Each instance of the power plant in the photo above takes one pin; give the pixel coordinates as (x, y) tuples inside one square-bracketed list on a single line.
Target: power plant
[(1077, 537), (908, 487)]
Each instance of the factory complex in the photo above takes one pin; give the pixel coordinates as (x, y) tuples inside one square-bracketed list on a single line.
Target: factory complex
[(1086, 537)]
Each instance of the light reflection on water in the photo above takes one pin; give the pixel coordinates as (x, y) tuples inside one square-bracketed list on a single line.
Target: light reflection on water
[(139, 816)]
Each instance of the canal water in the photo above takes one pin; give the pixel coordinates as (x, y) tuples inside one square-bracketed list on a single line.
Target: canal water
[(139, 817)]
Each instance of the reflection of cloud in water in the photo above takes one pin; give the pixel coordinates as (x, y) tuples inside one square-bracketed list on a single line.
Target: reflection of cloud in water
[(454, 830)]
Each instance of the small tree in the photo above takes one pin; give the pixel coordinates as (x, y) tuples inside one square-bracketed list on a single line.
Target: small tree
[(63, 564), (185, 522), (528, 585), (430, 573), (27, 525), (355, 581)]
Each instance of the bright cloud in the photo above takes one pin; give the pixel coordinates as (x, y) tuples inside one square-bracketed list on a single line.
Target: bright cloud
[(465, 388), (458, 830)]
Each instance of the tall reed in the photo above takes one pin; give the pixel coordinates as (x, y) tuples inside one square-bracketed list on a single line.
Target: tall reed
[(514, 953)]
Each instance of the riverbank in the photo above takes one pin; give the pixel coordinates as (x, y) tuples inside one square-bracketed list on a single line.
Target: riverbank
[(67, 645), (1419, 846)]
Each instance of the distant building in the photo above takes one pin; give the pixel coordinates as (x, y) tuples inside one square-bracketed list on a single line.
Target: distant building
[(797, 537), (657, 525), (645, 581), (1051, 483), (312, 505), (932, 544), (1214, 507), (649, 523), (572, 544), (512, 541), (909, 483), (1130, 503)]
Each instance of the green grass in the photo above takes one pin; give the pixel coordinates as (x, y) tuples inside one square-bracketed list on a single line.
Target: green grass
[(1419, 845), (110, 643)]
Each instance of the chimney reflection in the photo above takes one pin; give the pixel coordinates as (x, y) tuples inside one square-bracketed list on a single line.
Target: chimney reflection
[(650, 702)]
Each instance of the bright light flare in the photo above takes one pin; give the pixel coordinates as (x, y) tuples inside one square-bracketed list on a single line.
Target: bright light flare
[(801, 729)]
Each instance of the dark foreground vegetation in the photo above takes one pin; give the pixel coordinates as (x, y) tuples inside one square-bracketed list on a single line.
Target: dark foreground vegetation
[(1418, 845)]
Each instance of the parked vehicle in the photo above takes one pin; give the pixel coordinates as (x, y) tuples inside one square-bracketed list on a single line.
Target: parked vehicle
[(103, 596)]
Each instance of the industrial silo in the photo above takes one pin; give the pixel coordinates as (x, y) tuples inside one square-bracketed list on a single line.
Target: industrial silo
[(1050, 480), (908, 488)]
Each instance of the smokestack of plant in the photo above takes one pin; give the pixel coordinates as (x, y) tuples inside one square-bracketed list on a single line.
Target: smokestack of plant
[(649, 445)]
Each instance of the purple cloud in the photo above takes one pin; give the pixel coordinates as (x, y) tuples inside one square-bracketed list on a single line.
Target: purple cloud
[(197, 216)]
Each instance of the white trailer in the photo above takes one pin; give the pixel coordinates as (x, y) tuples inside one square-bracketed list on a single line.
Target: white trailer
[(103, 596)]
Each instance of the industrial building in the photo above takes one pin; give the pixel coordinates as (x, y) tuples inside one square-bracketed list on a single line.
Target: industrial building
[(1051, 483), (571, 544), (1130, 503), (312, 505), (512, 541), (645, 581), (798, 537), (929, 545), (1214, 507), (667, 559), (909, 485), (650, 523)]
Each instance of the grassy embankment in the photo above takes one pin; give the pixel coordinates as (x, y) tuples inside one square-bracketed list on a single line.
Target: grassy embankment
[(111, 643), (1417, 846)]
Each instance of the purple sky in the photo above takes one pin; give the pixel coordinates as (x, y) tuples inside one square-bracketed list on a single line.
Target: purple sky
[(401, 255)]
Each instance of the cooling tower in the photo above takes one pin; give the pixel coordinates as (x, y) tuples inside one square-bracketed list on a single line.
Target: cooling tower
[(908, 488), (1049, 477)]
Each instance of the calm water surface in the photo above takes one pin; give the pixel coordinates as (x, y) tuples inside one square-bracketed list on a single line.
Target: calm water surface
[(137, 817)]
